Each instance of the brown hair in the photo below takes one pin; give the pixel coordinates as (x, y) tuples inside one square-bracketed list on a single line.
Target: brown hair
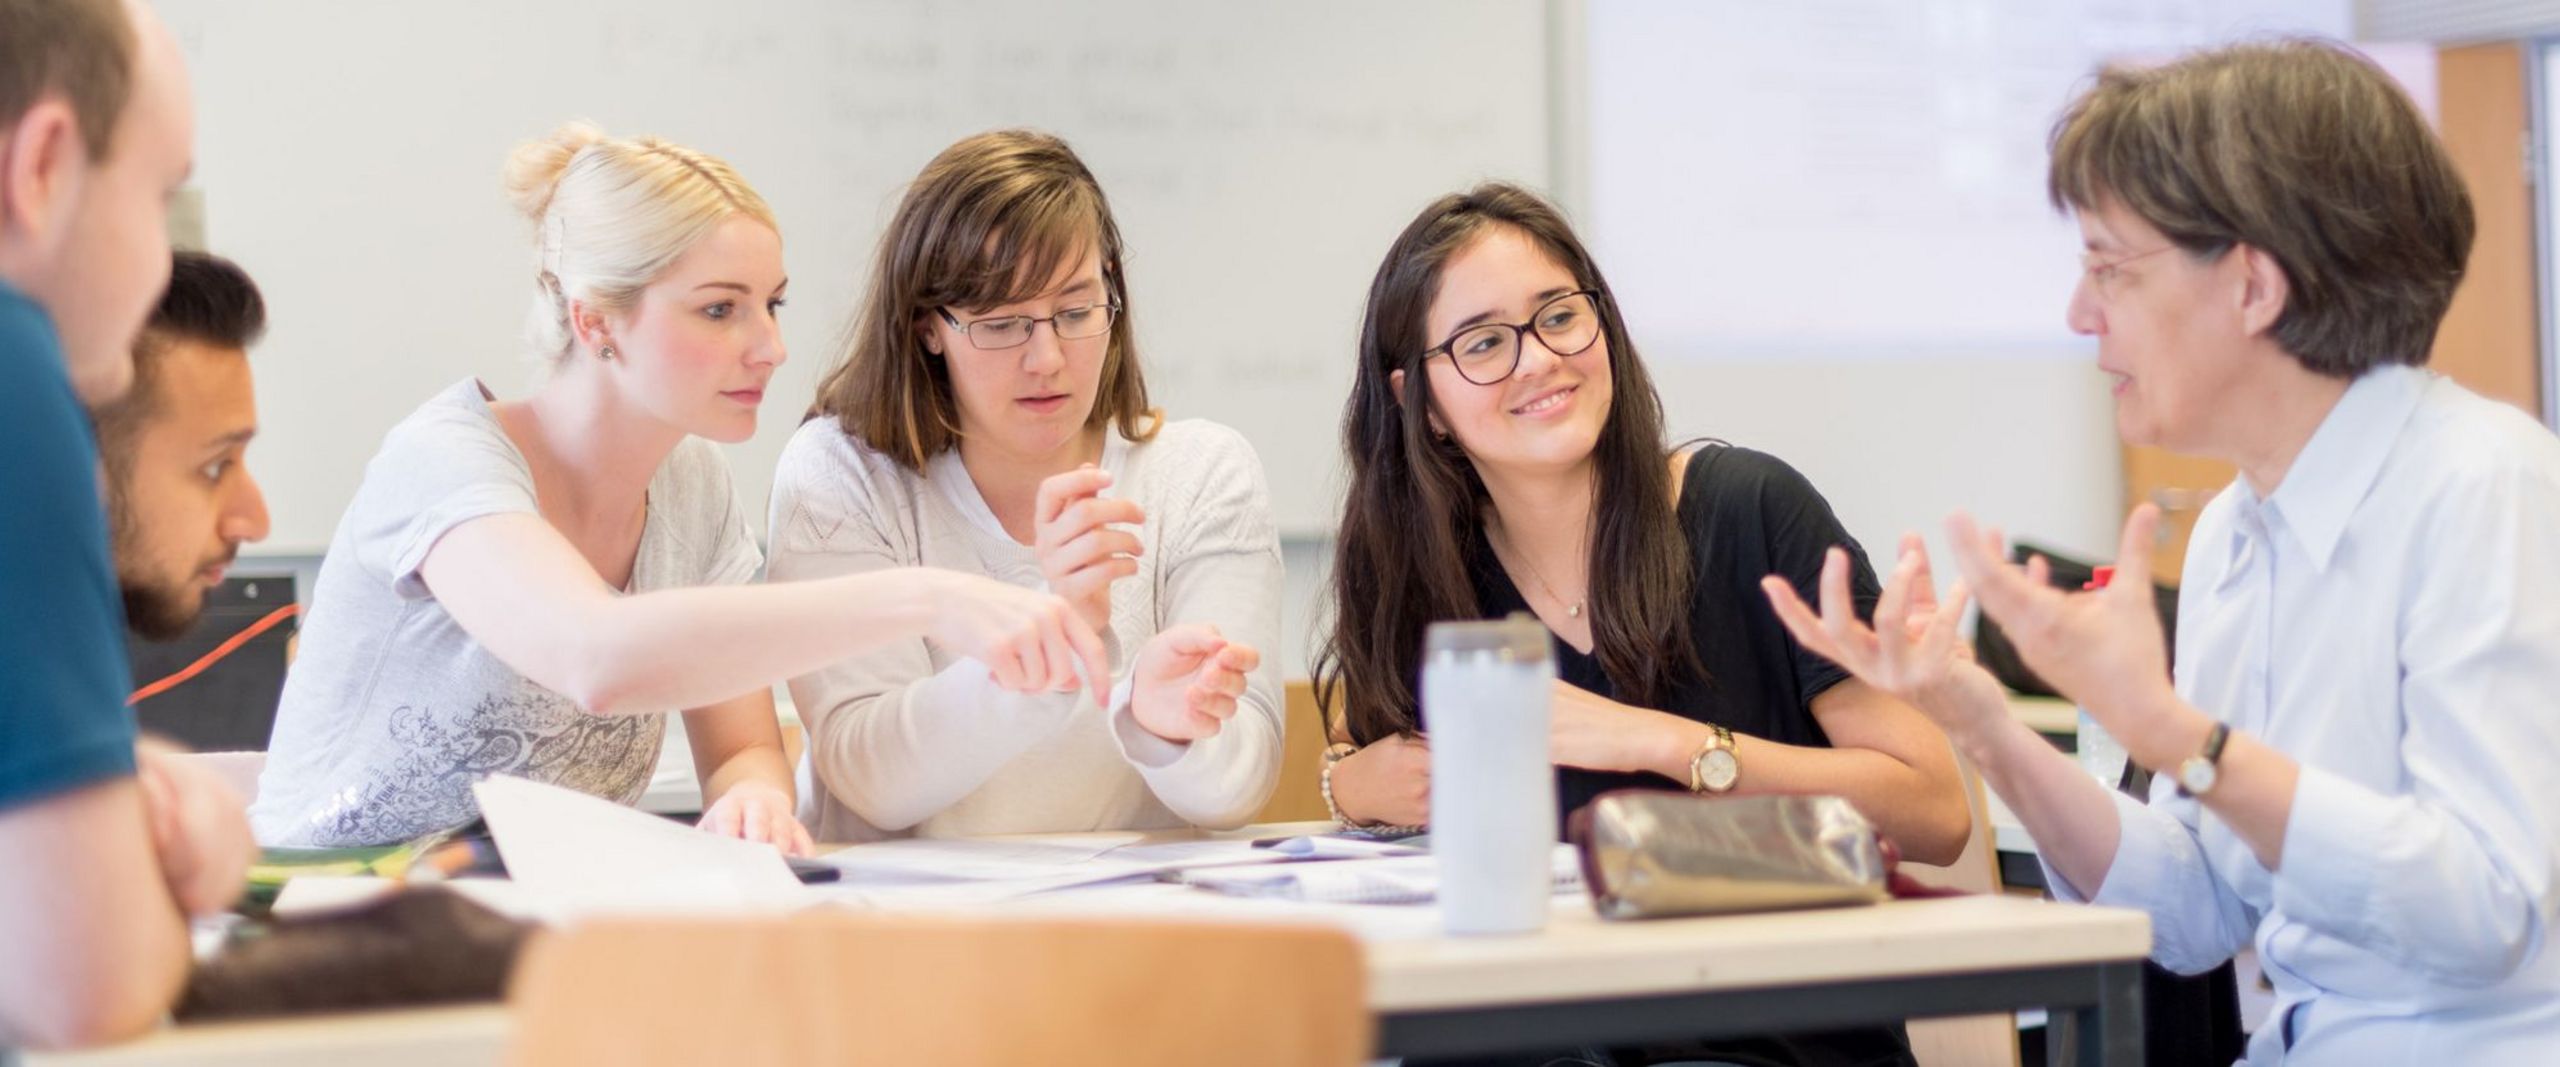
[(2304, 150), (990, 221), (82, 49), (1403, 556)]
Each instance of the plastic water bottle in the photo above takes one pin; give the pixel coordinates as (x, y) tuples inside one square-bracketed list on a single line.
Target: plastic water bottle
[(1488, 691), (2098, 751)]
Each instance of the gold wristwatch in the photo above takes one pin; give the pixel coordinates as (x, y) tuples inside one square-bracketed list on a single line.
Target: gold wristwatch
[(1715, 768)]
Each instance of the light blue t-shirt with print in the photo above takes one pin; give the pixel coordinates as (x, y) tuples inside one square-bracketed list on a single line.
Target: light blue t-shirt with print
[(392, 711)]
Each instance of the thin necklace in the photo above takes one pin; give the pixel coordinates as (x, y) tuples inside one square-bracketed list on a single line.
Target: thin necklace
[(1573, 610)]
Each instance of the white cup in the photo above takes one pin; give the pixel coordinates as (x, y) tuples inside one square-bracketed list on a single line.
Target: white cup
[(1487, 697)]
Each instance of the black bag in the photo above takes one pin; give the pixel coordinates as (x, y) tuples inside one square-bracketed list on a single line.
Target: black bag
[(1998, 656), (418, 946)]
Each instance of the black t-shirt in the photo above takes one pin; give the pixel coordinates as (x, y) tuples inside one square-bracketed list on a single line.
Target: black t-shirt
[(1746, 515)]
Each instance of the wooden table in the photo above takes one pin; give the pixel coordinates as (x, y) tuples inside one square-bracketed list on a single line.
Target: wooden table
[(1581, 981)]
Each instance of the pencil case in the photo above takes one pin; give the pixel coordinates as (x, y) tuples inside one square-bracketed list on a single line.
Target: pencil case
[(1653, 853), (418, 946)]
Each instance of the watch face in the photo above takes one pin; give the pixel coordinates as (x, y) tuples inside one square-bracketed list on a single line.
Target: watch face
[(2197, 775), (1717, 770)]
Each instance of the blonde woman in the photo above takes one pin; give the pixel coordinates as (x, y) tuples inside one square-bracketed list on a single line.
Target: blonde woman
[(992, 416), (525, 586)]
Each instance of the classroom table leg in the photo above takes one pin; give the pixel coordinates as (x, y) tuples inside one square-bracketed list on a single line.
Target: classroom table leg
[(2107, 1033)]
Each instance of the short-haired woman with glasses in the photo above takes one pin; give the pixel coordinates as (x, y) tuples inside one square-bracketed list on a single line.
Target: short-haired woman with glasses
[(2352, 759), (991, 416)]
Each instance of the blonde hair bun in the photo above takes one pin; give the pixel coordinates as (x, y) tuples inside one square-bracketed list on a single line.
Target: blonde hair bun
[(534, 168), (611, 213)]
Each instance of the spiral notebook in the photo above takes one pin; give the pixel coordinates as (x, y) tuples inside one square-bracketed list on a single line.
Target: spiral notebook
[(1385, 880)]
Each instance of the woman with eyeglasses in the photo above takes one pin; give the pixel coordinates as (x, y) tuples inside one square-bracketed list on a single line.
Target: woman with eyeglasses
[(2352, 758), (1507, 455), (991, 416)]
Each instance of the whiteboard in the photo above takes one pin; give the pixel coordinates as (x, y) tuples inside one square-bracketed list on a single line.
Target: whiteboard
[(1860, 179), (1260, 157)]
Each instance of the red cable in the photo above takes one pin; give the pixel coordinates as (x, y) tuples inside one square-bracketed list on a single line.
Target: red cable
[(210, 658)]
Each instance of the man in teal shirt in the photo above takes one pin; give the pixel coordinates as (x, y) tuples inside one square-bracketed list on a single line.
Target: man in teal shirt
[(108, 848)]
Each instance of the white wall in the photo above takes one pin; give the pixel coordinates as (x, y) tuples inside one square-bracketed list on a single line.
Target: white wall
[(2455, 21), (1895, 438), (2027, 444), (1258, 157)]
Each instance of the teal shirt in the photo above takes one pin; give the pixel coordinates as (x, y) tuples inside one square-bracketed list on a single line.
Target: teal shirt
[(63, 675)]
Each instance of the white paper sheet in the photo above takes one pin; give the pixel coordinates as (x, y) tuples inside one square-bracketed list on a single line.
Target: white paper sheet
[(972, 859), (927, 873), (1384, 880), (572, 855)]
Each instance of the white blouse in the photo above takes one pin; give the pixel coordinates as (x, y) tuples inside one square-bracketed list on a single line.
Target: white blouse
[(2390, 618)]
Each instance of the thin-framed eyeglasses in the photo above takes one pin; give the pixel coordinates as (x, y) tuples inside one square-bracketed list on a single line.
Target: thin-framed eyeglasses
[(1014, 331), (2104, 273), (1487, 353)]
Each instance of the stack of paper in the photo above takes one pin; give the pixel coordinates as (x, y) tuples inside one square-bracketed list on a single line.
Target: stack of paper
[(920, 872), (1387, 880), (570, 855)]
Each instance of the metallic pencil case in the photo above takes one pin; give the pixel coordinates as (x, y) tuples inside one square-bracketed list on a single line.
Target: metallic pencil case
[(1651, 853)]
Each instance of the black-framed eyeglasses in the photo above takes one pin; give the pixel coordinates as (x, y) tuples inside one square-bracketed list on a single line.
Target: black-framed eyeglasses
[(1014, 331), (1487, 353)]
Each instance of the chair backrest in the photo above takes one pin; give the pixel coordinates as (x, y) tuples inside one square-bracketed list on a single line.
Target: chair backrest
[(1302, 759), (1966, 1040), (840, 987), (1977, 869)]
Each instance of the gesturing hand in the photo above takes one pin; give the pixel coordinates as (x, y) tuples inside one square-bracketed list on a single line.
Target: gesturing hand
[(2103, 649), (1029, 640), (1081, 549), (1186, 681), (1912, 651)]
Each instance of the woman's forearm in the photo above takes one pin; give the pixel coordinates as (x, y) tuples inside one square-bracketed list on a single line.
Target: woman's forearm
[(526, 594), (2070, 816), (760, 763), (682, 648), (1903, 803)]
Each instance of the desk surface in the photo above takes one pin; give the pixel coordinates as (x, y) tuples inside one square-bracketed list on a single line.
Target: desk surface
[(408, 1037), (1579, 957)]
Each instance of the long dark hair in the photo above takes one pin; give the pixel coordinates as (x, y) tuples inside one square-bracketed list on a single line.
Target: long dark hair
[(1406, 545), (990, 221)]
